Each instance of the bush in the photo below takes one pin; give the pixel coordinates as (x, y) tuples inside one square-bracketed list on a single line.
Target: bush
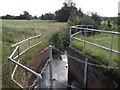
[(85, 20), (60, 39)]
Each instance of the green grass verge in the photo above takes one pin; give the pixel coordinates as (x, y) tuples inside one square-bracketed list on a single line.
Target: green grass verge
[(97, 53)]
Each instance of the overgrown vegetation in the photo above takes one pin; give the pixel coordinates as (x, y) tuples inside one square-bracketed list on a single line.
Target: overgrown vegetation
[(60, 39), (15, 31), (84, 20)]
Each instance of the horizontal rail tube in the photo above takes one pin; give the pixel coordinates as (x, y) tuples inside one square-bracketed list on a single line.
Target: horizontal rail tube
[(76, 33), (24, 67), (111, 32), (79, 32), (27, 49), (96, 45), (26, 40), (84, 25)]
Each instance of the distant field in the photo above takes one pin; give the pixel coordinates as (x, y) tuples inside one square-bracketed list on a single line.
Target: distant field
[(98, 53), (17, 30), (104, 26)]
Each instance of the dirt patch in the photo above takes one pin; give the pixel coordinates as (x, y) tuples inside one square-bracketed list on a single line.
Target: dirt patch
[(37, 64)]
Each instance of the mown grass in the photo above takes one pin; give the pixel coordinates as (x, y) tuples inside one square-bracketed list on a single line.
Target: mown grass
[(97, 53), (17, 30)]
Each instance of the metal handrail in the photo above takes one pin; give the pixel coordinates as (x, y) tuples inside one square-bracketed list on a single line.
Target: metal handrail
[(111, 32), (85, 30), (26, 40), (96, 45), (26, 68), (27, 49), (12, 59)]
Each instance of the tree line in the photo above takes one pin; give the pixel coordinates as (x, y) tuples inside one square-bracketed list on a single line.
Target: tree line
[(68, 13), (24, 16)]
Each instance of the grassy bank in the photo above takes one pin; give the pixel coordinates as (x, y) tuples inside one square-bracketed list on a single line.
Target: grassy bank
[(17, 30), (99, 54)]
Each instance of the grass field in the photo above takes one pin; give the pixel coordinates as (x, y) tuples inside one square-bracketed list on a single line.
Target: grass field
[(98, 53), (17, 30)]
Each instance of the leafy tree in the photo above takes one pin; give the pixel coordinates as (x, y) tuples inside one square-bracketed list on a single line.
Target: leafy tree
[(26, 15), (84, 20), (63, 14), (35, 17), (42, 17), (8, 17), (96, 18), (48, 16)]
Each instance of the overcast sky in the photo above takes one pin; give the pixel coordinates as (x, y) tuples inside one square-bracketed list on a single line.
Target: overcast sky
[(119, 7), (37, 7)]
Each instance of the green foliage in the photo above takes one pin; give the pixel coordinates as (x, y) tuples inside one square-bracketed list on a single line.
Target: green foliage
[(8, 17), (118, 22), (84, 20), (74, 20), (63, 14), (109, 23), (60, 39), (25, 15), (48, 16), (96, 18)]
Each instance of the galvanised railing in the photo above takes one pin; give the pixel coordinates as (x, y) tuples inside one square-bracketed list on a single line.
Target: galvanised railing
[(86, 30), (39, 77), (12, 58)]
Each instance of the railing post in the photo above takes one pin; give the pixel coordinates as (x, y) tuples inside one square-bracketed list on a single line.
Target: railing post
[(70, 36), (111, 46), (40, 82), (50, 64), (92, 30), (29, 42), (18, 53), (84, 39), (85, 74), (10, 65), (76, 29)]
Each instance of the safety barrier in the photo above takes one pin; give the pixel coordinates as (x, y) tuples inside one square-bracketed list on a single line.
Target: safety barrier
[(84, 30), (12, 58)]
